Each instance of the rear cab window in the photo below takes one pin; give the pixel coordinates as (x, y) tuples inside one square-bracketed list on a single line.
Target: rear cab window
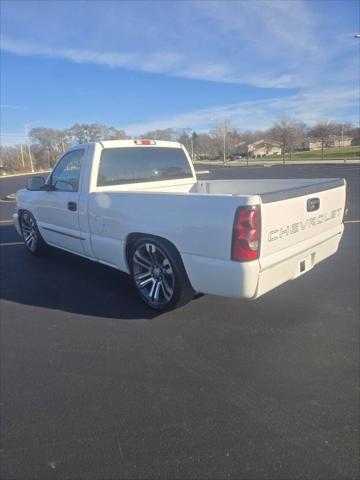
[(124, 165)]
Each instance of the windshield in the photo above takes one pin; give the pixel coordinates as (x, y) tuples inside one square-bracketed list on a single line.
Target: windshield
[(142, 164)]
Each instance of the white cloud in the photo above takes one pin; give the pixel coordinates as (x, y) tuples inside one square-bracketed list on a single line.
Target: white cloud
[(173, 64), (159, 62), (275, 26), (221, 41), (267, 44), (309, 107), (275, 44)]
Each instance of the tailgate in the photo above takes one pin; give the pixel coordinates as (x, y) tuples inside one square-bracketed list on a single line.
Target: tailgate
[(298, 215)]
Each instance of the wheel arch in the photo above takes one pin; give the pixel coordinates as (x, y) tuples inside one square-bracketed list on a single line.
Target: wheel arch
[(134, 236), (183, 290), (41, 244), (22, 210)]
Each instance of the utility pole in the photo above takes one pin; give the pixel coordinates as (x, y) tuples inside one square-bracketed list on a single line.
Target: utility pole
[(224, 138), (342, 139), (29, 149), (22, 156), (30, 157)]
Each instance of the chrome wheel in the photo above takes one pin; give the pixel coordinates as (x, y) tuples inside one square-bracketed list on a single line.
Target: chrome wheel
[(28, 228), (153, 274)]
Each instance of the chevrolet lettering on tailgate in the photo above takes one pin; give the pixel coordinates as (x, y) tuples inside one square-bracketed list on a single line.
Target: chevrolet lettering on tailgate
[(300, 226)]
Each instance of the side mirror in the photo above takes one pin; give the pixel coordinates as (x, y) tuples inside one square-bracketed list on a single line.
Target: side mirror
[(35, 183), (64, 186)]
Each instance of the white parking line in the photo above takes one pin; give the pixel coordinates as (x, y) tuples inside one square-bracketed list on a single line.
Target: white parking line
[(11, 244), (352, 221)]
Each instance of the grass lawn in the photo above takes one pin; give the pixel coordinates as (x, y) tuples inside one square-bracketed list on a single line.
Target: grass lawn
[(339, 153)]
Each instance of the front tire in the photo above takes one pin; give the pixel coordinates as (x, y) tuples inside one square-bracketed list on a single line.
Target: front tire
[(159, 275), (31, 235)]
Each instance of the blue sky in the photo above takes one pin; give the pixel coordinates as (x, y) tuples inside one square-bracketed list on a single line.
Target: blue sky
[(143, 65)]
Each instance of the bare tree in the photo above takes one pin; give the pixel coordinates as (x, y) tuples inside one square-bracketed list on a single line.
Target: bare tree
[(112, 133), (165, 134), (93, 132), (354, 132), (225, 137), (322, 131), (184, 136), (342, 128), (12, 158), (47, 146), (218, 134), (205, 146), (233, 138), (288, 132)]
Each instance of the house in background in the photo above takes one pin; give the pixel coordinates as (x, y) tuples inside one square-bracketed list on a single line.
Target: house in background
[(260, 148), (312, 144), (315, 143), (338, 141)]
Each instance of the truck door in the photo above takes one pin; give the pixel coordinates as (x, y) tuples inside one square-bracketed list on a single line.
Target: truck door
[(57, 208)]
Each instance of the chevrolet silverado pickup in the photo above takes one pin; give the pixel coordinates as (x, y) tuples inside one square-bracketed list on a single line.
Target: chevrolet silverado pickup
[(136, 205)]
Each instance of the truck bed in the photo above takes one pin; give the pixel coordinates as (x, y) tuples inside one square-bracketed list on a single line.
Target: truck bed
[(198, 216), (269, 189)]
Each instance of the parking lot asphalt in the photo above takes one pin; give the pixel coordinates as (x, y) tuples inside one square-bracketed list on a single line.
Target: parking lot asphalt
[(94, 385)]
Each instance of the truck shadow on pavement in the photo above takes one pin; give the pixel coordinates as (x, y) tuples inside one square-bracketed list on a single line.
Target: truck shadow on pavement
[(67, 282)]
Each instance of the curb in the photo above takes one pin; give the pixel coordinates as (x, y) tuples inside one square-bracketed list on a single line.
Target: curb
[(24, 174), (275, 164)]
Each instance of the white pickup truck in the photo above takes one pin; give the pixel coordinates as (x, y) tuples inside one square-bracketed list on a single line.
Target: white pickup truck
[(137, 206)]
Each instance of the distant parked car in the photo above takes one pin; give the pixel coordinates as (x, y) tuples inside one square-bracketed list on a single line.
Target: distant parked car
[(3, 171)]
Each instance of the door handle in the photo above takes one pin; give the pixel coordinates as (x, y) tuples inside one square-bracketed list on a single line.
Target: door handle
[(72, 206)]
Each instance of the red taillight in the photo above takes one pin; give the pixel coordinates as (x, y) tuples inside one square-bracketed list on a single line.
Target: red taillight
[(246, 234), (347, 202), (142, 141)]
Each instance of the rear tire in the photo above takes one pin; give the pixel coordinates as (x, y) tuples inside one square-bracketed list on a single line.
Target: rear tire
[(159, 275), (33, 240)]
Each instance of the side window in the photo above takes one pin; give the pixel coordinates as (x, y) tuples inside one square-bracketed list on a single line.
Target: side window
[(66, 175)]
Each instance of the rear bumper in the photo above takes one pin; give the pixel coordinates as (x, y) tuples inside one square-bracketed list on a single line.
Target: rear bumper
[(252, 279), (16, 221), (222, 277), (297, 265)]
